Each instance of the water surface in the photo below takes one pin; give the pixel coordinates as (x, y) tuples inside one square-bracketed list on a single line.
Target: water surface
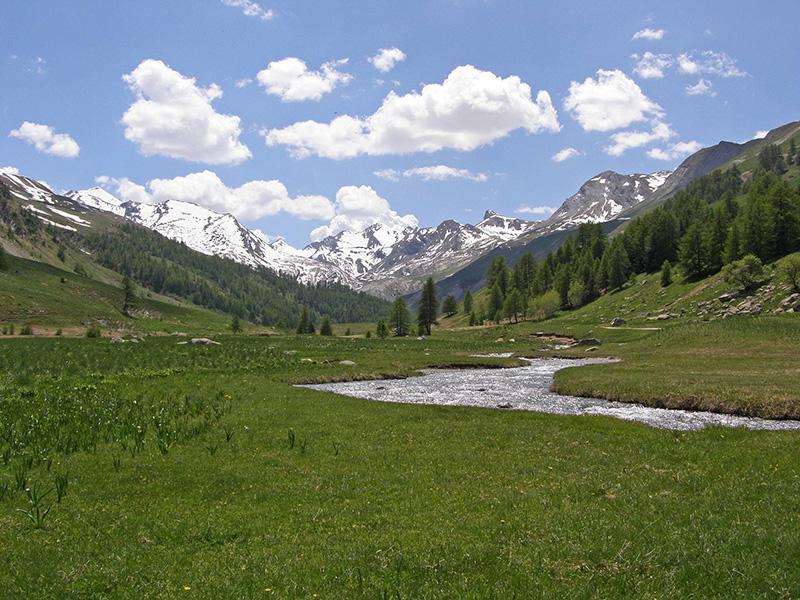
[(528, 388)]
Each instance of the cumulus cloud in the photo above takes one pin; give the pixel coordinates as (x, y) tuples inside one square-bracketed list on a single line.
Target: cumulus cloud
[(709, 63), (649, 34), (174, 117), (470, 108), (251, 9), (625, 140), (679, 150), (387, 58), (291, 80), (612, 101), (45, 139), (253, 200), (358, 207), (652, 66), (536, 210), (702, 88), (565, 154)]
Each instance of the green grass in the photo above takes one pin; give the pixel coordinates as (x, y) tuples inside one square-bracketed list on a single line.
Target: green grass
[(373, 500), (33, 293)]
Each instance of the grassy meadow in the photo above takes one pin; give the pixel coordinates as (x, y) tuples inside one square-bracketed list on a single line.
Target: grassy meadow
[(199, 471)]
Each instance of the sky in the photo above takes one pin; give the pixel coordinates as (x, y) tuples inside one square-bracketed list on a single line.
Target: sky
[(306, 118)]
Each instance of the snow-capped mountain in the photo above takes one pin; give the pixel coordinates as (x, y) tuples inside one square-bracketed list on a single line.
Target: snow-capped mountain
[(604, 197), (100, 199), (381, 260)]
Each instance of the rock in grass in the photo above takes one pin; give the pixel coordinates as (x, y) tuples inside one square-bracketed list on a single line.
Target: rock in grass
[(347, 363), (504, 405), (204, 342), (587, 342), (617, 322)]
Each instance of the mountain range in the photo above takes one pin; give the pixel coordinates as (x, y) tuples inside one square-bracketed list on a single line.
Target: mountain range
[(379, 260)]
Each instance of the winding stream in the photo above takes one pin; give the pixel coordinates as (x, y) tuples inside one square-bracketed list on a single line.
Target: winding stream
[(528, 388)]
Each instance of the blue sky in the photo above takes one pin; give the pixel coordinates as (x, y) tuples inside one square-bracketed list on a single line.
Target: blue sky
[(116, 78)]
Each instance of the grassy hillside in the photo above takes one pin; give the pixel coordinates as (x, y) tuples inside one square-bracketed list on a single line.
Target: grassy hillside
[(103, 247), (46, 298)]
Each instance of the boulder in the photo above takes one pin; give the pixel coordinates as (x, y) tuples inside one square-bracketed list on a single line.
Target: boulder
[(204, 342), (617, 322), (504, 405), (347, 363), (728, 296), (587, 342)]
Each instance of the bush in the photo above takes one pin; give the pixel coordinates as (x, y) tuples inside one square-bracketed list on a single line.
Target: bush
[(26, 330), (545, 306), (746, 273), (789, 272), (93, 332)]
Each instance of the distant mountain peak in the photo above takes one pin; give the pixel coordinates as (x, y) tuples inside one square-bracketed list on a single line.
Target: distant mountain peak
[(489, 214)]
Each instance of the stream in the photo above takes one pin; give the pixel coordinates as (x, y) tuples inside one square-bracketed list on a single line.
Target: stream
[(528, 388)]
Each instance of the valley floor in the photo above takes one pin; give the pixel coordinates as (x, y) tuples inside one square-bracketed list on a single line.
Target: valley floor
[(200, 471)]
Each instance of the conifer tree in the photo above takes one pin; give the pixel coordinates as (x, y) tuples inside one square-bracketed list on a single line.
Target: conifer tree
[(325, 327), (666, 274), (236, 326), (473, 319), (693, 252), (306, 325), (400, 318), (428, 307), (495, 302), (512, 306), (128, 295), (382, 330), (450, 306), (618, 265), (468, 302)]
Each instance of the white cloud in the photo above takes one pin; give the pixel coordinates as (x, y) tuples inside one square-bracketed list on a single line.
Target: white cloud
[(612, 101), (291, 81), (253, 200), (649, 34), (469, 109), (709, 63), (9, 170), (702, 88), (625, 140), (174, 117), (389, 174), (45, 139), (243, 83), (431, 173), (675, 151), (443, 172), (358, 207), (652, 66), (761, 134), (565, 154), (251, 9), (536, 210), (387, 58)]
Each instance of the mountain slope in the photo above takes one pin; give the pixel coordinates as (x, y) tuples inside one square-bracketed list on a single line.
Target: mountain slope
[(49, 228)]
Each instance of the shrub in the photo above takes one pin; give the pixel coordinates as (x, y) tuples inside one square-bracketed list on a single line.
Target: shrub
[(93, 332), (26, 330), (545, 306), (789, 272), (745, 273)]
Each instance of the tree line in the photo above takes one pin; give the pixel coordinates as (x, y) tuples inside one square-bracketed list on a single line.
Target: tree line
[(715, 221)]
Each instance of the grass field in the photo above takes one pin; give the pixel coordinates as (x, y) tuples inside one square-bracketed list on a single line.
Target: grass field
[(198, 471)]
